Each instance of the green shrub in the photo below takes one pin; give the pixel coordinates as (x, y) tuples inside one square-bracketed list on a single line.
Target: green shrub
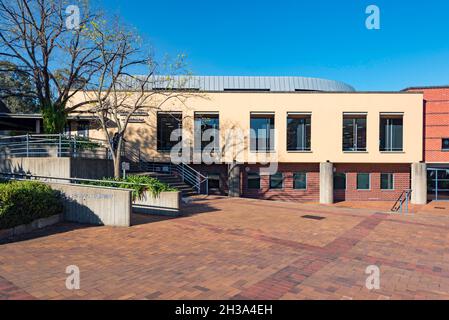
[(22, 202), (141, 184)]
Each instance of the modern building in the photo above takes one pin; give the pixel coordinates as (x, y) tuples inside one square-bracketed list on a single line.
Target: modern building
[(436, 139), (329, 142)]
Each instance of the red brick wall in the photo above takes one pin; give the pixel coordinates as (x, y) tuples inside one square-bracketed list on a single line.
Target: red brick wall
[(312, 194), (436, 123), (401, 182)]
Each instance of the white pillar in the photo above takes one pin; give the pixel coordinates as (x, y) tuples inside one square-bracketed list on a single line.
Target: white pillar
[(326, 183), (38, 126), (419, 183), (234, 180)]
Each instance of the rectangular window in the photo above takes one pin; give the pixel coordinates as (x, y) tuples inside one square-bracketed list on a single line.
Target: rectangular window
[(300, 181), (354, 132), (83, 129), (445, 143), (262, 132), (340, 181), (386, 181), (206, 131), (213, 181), (298, 132), (363, 181), (391, 133), (253, 181), (277, 181), (166, 124)]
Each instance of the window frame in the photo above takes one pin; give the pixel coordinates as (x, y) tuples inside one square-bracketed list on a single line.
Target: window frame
[(248, 179), (369, 181), (282, 181), (442, 145), (307, 139), (346, 181), (270, 139), (354, 116), (389, 128), (294, 180), (199, 146), (392, 182), (158, 127)]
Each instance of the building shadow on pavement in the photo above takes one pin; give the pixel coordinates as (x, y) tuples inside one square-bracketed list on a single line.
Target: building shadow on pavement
[(198, 206), (58, 228)]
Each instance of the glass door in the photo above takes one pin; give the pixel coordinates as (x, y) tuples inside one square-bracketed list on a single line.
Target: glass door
[(438, 184)]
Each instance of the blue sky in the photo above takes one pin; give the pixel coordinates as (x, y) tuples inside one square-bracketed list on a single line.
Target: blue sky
[(320, 38)]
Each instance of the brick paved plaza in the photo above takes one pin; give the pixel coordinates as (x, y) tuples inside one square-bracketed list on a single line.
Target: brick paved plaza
[(238, 249)]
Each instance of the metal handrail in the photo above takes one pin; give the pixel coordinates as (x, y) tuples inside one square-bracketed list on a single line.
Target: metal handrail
[(405, 197), (61, 145)]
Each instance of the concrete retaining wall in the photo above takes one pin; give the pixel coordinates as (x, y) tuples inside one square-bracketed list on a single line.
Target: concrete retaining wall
[(59, 167), (26, 228), (167, 203), (54, 167), (95, 205)]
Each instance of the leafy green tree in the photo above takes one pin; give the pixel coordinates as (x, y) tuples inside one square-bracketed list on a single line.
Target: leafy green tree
[(16, 89), (46, 40)]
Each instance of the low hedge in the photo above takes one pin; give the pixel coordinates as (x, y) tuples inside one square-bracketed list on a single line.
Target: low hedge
[(141, 184), (22, 202)]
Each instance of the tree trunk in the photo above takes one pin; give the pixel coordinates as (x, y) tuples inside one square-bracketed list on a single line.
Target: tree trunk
[(118, 159)]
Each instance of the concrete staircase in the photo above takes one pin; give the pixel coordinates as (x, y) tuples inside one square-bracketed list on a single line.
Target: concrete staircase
[(173, 181)]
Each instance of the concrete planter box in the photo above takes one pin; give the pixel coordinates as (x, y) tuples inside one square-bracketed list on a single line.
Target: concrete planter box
[(166, 203), (26, 228)]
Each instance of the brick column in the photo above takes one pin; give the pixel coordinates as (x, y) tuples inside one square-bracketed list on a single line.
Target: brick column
[(234, 180), (419, 183), (326, 183)]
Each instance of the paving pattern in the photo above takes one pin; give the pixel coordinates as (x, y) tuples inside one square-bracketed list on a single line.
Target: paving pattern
[(238, 249)]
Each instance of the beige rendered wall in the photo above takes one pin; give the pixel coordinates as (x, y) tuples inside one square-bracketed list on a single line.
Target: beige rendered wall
[(327, 120)]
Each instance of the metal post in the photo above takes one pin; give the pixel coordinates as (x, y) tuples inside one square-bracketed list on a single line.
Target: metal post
[(74, 146), (406, 202), (59, 146), (28, 145)]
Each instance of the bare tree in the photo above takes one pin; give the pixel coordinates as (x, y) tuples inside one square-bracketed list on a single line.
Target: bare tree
[(38, 38), (118, 95)]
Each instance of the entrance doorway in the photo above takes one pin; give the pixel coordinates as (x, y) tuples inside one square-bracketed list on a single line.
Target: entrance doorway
[(438, 184)]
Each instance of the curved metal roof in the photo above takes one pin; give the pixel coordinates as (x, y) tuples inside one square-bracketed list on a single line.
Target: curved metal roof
[(243, 83)]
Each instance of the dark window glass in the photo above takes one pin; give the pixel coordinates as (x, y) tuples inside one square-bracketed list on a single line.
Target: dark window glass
[(300, 181), (253, 181), (354, 133), (166, 124), (363, 181), (340, 181), (445, 144), (213, 181), (203, 123), (83, 129), (262, 133), (387, 181), (277, 181), (391, 133), (298, 132)]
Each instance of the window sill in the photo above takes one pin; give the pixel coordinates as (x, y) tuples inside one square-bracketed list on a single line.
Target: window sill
[(301, 151), (356, 152), (393, 152), (263, 152)]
